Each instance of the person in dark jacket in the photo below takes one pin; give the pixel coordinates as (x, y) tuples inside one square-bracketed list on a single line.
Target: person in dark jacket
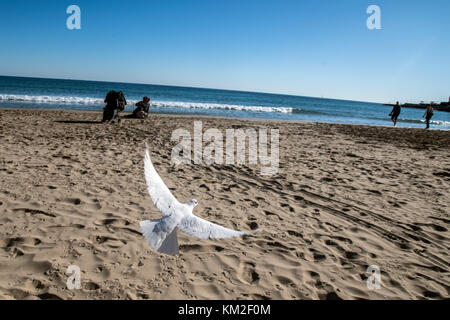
[(428, 115), (115, 103), (395, 113)]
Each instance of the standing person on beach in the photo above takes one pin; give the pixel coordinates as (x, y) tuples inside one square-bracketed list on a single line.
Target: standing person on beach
[(141, 112), (428, 115), (115, 103), (395, 113)]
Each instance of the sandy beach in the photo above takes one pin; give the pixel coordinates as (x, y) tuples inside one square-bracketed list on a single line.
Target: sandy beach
[(72, 192)]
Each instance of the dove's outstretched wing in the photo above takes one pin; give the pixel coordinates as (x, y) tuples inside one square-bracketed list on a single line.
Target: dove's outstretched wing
[(203, 229), (160, 194)]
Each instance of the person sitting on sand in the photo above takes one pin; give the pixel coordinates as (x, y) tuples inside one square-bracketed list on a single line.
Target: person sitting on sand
[(395, 113), (141, 112), (428, 115)]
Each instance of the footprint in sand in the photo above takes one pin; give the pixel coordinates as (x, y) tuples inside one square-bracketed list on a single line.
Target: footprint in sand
[(276, 244), (431, 294), (285, 205), (247, 273), (351, 255), (295, 234), (90, 286), (20, 241), (103, 271), (228, 200), (438, 228), (112, 222), (269, 213), (200, 248), (34, 212), (317, 256), (252, 225), (285, 281), (110, 242), (415, 227), (18, 293), (329, 296), (75, 225), (253, 203), (74, 201), (33, 285)]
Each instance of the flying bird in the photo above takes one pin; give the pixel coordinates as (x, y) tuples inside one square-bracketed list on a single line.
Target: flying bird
[(161, 234)]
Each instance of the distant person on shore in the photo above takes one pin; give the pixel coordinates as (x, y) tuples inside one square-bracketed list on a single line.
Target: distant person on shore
[(141, 112), (395, 113), (428, 115)]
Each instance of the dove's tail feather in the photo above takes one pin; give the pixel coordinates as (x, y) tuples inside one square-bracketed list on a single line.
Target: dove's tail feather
[(169, 245)]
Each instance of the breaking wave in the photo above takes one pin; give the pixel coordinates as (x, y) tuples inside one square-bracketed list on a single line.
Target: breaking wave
[(155, 103)]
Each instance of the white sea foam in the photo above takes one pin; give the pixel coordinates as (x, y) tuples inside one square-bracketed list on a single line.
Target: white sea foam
[(155, 103), (50, 99), (199, 105), (438, 122)]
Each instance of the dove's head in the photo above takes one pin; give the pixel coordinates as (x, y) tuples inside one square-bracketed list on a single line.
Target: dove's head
[(193, 203)]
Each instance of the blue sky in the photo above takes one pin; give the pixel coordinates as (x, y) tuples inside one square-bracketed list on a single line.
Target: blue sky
[(311, 48)]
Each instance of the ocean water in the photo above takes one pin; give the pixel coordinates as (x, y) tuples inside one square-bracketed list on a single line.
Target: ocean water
[(89, 95)]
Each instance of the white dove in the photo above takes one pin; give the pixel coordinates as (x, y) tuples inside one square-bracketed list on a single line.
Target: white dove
[(161, 234)]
